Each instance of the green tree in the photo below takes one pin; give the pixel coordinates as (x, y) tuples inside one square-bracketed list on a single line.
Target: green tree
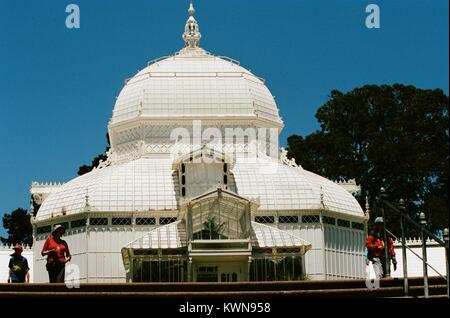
[(211, 230), (96, 161), (18, 226), (396, 137)]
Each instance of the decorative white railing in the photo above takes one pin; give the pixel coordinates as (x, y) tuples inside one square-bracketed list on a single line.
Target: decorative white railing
[(416, 242), (410, 242), (6, 247)]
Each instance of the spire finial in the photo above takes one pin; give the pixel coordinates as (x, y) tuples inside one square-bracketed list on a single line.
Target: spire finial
[(367, 211), (191, 35), (191, 10)]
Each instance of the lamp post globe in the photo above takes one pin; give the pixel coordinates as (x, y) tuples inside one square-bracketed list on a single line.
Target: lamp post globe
[(423, 218)]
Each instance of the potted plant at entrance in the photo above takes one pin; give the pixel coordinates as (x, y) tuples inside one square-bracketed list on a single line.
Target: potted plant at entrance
[(211, 230)]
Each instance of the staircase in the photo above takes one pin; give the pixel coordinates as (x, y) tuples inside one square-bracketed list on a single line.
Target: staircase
[(261, 290)]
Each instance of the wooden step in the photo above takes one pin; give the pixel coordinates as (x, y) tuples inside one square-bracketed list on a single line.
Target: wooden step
[(300, 289)]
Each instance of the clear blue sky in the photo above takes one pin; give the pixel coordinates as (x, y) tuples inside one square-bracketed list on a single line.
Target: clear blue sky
[(58, 86)]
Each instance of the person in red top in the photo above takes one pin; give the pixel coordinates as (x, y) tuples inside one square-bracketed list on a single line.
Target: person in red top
[(58, 254), (375, 247)]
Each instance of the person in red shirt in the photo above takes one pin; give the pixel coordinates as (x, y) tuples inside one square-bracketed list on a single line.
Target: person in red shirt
[(58, 254), (375, 247)]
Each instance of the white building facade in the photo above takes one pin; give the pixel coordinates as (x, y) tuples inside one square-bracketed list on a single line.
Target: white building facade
[(194, 139)]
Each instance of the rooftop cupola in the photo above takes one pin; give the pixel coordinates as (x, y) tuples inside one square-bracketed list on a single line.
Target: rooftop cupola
[(192, 35)]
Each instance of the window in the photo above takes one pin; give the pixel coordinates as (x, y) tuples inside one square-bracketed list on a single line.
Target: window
[(121, 221), (328, 220), (145, 221), (358, 226), (44, 229), (225, 168), (78, 223), (225, 179), (167, 220), (343, 223), (183, 168), (65, 225), (183, 191), (265, 219), (183, 180), (288, 219), (310, 219), (98, 221)]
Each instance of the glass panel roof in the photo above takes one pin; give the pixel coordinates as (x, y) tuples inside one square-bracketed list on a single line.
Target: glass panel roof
[(147, 184), (280, 187), (199, 85)]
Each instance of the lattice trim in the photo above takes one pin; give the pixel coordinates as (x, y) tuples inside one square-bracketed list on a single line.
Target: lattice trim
[(285, 219), (121, 221), (310, 219), (265, 219), (98, 221), (145, 221), (167, 220)]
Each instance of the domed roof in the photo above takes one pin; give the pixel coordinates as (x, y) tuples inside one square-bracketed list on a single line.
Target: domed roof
[(195, 84), (148, 184)]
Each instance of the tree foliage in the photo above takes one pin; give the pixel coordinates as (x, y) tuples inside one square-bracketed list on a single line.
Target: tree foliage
[(18, 226), (96, 161), (396, 137)]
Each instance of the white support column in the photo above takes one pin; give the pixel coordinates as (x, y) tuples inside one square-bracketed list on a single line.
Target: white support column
[(189, 269), (249, 265)]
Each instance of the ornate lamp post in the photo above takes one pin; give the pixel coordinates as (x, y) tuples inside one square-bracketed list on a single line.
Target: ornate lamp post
[(402, 208), (423, 223), (383, 197), (422, 227), (446, 256)]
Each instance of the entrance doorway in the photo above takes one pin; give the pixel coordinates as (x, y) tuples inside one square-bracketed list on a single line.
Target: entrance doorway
[(228, 277), (223, 273), (207, 274), (230, 272)]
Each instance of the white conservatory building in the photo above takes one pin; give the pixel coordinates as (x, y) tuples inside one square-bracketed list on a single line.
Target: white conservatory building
[(195, 187)]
